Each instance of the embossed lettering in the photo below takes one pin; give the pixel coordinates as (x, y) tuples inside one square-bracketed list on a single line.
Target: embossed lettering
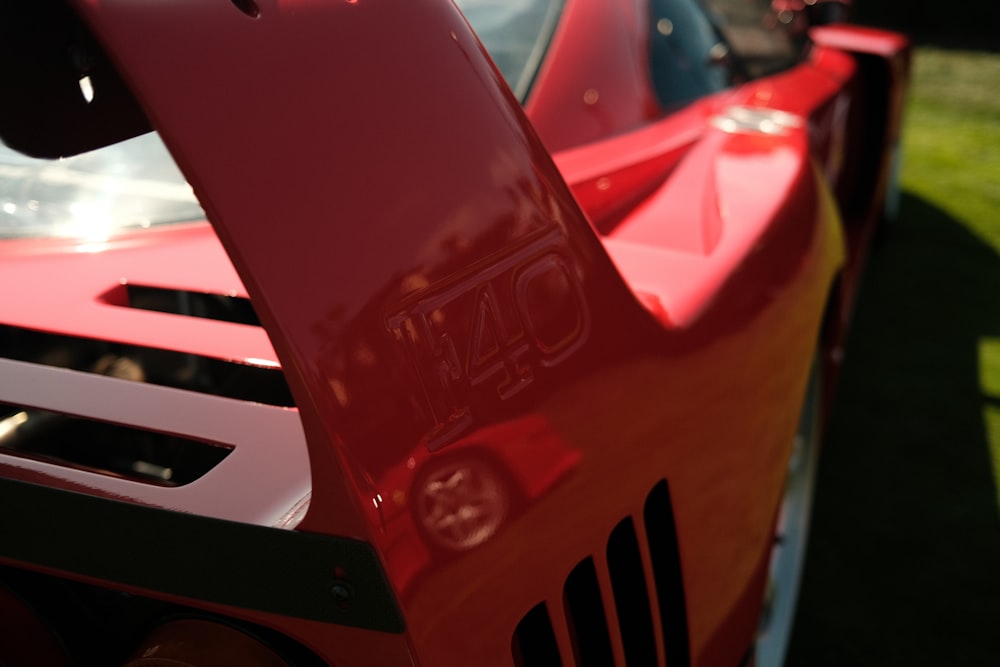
[(491, 330), (492, 351)]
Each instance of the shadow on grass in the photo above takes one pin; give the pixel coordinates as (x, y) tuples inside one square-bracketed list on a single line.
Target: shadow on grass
[(904, 564)]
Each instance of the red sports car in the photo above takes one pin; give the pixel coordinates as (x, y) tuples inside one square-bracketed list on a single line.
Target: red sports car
[(423, 334)]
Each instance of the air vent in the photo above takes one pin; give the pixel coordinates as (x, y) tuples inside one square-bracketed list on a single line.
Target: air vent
[(585, 613), (109, 449), (205, 305), (144, 364), (534, 642), (631, 596), (661, 535), (590, 618)]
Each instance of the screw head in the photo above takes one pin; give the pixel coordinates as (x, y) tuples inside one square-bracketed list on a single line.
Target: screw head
[(341, 592)]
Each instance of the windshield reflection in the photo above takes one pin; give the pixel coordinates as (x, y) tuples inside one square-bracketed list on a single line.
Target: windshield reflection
[(515, 33), (132, 184)]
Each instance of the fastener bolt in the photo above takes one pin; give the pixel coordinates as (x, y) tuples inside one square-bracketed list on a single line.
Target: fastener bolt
[(341, 592)]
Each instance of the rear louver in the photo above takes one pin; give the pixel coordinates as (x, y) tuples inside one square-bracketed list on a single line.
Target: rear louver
[(163, 397), (105, 448), (206, 305), (167, 368), (606, 605)]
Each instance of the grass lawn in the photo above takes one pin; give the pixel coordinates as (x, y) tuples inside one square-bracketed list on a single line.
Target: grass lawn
[(905, 553)]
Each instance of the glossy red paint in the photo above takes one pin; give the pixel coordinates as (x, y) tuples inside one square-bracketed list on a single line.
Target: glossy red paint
[(591, 88), (634, 308), (512, 466), (82, 285)]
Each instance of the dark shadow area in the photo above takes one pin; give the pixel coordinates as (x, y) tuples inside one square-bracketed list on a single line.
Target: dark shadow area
[(904, 565), (970, 25)]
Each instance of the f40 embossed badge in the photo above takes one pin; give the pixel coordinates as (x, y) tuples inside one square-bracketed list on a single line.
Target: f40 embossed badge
[(488, 331)]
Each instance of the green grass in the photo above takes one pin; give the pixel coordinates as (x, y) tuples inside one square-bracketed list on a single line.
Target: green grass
[(905, 554), (953, 137)]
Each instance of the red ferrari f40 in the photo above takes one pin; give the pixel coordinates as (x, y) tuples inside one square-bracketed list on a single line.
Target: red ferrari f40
[(375, 333)]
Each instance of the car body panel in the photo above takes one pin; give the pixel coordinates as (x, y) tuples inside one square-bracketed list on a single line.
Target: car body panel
[(588, 89), (432, 282), (85, 296)]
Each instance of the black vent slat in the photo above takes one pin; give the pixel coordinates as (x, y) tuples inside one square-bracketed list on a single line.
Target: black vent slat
[(631, 597), (585, 616), (661, 534), (534, 643)]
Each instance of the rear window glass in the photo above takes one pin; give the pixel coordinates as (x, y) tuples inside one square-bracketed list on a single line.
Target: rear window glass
[(756, 33), (515, 33), (92, 196), (689, 57)]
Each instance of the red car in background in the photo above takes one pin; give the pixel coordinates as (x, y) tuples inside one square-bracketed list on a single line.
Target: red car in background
[(490, 334)]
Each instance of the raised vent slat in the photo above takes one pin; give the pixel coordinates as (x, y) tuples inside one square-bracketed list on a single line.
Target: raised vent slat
[(561, 627), (661, 534), (631, 597), (534, 643), (606, 588), (650, 581), (585, 614)]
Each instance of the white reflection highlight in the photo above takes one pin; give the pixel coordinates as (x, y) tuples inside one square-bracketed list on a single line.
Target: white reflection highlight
[(9, 425), (87, 89)]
